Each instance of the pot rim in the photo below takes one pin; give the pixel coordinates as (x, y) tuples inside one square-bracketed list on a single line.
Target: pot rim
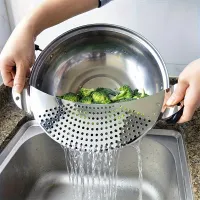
[(98, 27)]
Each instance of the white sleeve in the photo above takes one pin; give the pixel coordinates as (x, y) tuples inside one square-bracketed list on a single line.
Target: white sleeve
[(103, 2)]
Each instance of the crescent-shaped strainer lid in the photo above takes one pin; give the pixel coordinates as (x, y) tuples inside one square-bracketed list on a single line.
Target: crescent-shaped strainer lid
[(94, 127)]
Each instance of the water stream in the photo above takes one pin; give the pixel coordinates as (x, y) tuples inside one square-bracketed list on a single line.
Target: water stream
[(137, 146), (93, 175)]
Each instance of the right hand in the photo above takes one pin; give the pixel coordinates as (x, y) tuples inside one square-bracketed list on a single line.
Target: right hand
[(188, 88), (19, 52)]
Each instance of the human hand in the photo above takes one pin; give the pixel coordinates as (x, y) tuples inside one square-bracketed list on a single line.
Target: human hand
[(18, 52), (188, 88)]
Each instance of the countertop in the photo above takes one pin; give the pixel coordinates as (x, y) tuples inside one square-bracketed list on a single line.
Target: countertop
[(11, 118)]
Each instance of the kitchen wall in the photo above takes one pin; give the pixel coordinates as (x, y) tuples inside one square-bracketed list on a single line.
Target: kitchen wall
[(4, 27), (173, 26)]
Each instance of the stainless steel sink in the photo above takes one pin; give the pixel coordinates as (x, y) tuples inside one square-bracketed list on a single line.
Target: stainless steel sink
[(32, 155)]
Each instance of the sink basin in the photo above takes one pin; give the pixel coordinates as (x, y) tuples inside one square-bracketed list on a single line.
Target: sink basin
[(32, 166)]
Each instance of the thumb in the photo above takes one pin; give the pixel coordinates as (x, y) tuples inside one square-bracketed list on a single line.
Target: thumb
[(20, 77), (179, 93)]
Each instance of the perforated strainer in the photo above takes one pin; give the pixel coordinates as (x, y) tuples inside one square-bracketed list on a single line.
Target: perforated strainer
[(96, 127), (96, 56)]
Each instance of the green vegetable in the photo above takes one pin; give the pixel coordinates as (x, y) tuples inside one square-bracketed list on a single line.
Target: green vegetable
[(85, 92), (138, 95), (104, 95), (86, 100), (100, 98), (107, 91), (70, 97), (125, 92)]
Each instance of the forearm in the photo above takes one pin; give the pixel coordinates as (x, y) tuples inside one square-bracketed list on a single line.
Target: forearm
[(52, 12)]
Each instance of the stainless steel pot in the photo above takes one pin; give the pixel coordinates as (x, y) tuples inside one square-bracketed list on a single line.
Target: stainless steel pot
[(95, 56), (98, 55)]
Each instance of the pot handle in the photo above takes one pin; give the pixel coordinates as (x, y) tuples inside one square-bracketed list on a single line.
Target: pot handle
[(22, 99), (171, 114), (175, 117)]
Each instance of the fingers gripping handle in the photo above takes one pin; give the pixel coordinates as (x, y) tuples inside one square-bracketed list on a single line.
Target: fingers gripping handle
[(37, 48), (22, 99), (175, 117), (172, 114)]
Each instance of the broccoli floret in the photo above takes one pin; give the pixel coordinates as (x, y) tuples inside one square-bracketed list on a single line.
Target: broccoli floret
[(86, 100), (70, 97), (107, 91), (100, 98), (136, 94), (139, 95), (104, 95), (125, 93), (85, 92)]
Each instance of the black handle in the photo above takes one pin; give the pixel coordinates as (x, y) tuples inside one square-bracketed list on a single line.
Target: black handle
[(37, 48), (175, 117)]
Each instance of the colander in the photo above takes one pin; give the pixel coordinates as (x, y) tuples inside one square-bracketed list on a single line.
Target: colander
[(98, 56)]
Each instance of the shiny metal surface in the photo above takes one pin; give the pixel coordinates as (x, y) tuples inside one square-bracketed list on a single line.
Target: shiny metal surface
[(33, 165), (97, 127), (99, 55), (96, 56), (167, 112), (22, 100)]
